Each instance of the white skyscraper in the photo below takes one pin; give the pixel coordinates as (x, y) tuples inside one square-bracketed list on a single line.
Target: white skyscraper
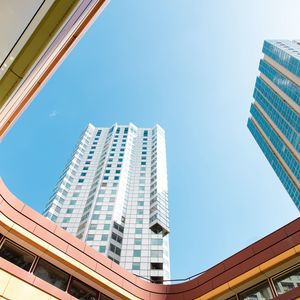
[(113, 194)]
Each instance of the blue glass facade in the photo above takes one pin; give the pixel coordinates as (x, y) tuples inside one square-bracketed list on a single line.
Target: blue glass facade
[(284, 152), (281, 52), (275, 121), (282, 82), (281, 173), (276, 116)]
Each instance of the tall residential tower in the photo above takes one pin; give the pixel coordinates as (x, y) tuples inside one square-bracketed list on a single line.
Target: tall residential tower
[(113, 195), (275, 121)]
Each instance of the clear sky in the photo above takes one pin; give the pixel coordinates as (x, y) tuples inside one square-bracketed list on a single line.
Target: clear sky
[(189, 66)]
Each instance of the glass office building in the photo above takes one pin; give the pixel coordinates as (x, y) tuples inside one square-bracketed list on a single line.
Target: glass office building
[(113, 195), (275, 120)]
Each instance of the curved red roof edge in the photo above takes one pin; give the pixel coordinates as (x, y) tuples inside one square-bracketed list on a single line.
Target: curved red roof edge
[(259, 252)]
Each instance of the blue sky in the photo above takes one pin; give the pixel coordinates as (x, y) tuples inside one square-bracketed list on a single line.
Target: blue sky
[(190, 67)]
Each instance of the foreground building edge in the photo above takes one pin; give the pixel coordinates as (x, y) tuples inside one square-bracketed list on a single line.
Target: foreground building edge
[(21, 225), (47, 46)]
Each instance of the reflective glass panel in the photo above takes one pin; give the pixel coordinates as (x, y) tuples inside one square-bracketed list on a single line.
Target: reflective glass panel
[(51, 274), (288, 281), (16, 255), (259, 292), (82, 291)]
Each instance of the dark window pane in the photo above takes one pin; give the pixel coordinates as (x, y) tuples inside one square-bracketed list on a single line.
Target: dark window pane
[(82, 291), (104, 297), (260, 292), (288, 281), (16, 255), (51, 274)]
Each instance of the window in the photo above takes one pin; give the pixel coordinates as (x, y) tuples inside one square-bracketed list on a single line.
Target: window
[(138, 241), (90, 157), (136, 266), (97, 208), (156, 253), (140, 203), (90, 237), (288, 281), (157, 279), (138, 230), (115, 249), (108, 217), (116, 177), (93, 226), (102, 249), (136, 253), (95, 217), (105, 177), (82, 291), (66, 220), (141, 195), (140, 211), (69, 210), (261, 291), (156, 266), (16, 255), (139, 221), (51, 274), (81, 180), (156, 242), (143, 163), (116, 238), (106, 226), (104, 237)]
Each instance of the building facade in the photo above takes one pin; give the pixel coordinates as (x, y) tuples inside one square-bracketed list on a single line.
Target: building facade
[(113, 195), (275, 120)]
